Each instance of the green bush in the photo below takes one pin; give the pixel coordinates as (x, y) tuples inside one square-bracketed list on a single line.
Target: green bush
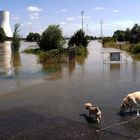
[(108, 39), (79, 39), (32, 51), (16, 38), (81, 50), (135, 48), (33, 37), (51, 38)]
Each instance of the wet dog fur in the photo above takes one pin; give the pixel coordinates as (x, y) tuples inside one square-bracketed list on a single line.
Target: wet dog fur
[(132, 100), (93, 110)]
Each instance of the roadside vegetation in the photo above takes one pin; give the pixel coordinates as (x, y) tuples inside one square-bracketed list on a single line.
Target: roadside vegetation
[(128, 40), (41, 53), (49, 42), (33, 37), (79, 39), (52, 40)]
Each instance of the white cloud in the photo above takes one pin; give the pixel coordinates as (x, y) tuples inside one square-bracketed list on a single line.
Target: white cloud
[(71, 18), (33, 9), (99, 8), (63, 10), (116, 11)]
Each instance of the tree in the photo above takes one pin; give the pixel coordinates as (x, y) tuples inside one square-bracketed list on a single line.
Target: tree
[(119, 35), (33, 37), (135, 34), (2, 35), (127, 34), (16, 38), (89, 37), (79, 38), (51, 38)]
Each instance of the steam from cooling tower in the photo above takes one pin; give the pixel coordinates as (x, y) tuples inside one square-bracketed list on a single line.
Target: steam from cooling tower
[(5, 24)]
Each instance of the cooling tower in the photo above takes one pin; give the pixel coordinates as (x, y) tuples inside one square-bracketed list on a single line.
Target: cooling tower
[(4, 23)]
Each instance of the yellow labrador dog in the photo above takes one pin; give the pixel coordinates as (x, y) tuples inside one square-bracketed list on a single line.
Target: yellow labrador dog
[(93, 110), (131, 100)]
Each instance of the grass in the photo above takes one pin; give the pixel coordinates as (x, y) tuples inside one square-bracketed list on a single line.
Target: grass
[(122, 46), (43, 54), (37, 51), (80, 51)]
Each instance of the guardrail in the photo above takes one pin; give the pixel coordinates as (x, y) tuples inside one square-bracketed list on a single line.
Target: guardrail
[(69, 50)]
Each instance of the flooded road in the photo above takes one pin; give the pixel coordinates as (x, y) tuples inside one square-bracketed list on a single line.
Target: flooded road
[(38, 98)]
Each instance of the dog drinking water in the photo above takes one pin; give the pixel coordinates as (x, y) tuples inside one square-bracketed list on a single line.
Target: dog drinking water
[(130, 101)]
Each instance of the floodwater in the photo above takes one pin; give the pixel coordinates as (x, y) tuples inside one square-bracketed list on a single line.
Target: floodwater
[(57, 92)]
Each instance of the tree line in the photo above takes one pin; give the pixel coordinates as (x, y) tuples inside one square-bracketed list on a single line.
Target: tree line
[(131, 35), (51, 38)]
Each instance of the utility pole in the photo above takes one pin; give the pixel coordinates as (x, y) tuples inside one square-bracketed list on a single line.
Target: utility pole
[(101, 29), (82, 17)]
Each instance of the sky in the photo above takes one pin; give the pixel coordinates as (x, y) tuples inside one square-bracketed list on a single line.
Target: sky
[(37, 15)]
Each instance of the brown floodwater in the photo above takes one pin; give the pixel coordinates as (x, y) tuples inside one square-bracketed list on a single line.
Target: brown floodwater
[(20, 69), (61, 89)]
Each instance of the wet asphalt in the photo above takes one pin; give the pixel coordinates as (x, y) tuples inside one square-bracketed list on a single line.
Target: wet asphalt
[(34, 114)]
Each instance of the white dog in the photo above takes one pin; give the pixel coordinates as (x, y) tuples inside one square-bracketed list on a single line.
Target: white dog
[(131, 100), (93, 110)]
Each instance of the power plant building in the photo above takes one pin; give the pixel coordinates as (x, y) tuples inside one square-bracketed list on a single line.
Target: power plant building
[(5, 23)]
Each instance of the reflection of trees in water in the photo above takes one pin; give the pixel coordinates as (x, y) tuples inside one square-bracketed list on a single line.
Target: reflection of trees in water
[(16, 59), (71, 67), (54, 66), (16, 62), (80, 59), (54, 70), (51, 67)]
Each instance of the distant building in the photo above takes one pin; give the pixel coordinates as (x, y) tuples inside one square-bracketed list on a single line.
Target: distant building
[(5, 24)]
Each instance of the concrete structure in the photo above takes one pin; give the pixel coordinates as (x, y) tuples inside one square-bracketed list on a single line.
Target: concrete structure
[(5, 24)]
